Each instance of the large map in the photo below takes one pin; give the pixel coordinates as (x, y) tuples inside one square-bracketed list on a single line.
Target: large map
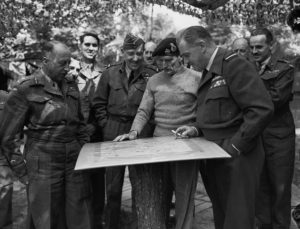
[(146, 150)]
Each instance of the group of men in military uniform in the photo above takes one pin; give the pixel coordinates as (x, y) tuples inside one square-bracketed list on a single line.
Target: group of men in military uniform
[(241, 106)]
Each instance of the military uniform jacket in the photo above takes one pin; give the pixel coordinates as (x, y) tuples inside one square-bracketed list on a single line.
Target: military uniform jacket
[(50, 114), (115, 97), (233, 102), (278, 77)]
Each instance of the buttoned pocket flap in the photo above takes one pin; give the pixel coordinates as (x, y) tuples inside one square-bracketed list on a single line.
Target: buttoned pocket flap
[(74, 94), (270, 75), (140, 86), (117, 86), (39, 99)]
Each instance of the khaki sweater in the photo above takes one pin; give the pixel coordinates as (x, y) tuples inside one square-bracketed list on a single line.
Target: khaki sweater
[(172, 100)]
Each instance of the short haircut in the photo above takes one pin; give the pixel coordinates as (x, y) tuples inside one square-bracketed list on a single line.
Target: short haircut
[(264, 31), (89, 34), (239, 39), (48, 47), (191, 34)]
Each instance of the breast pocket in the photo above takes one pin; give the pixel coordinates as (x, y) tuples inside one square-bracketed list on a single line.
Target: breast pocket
[(219, 106), (73, 101), (117, 95), (137, 95), (45, 110)]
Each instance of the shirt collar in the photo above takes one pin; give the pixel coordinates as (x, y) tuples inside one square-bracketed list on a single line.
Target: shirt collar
[(211, 60), (49, 80), (127, 70)]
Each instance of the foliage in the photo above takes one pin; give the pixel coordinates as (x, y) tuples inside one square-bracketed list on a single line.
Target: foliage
[(26, 24)]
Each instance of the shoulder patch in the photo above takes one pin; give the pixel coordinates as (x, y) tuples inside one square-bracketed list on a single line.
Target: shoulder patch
[(231, 56)]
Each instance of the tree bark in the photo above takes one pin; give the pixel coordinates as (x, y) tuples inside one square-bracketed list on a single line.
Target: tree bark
[(148, 196)]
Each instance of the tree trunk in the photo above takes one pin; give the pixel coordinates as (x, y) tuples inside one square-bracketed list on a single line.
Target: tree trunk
[(148, 195)]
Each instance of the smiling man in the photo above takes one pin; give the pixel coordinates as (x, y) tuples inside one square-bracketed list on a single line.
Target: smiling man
[(117, 98), (88, 77), (274, 200)]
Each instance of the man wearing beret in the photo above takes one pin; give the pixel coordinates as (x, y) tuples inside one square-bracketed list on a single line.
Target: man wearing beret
[(172, 96), (117, 98), (233, 109)]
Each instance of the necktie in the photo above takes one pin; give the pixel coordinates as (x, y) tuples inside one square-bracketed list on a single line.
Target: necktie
[(89, 88), (131, 77), (204, 72)]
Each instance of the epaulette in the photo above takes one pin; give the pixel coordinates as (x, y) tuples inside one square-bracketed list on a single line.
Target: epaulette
[(31, 80), (112, 65), (286, 62), (152, 67), (232, 55)]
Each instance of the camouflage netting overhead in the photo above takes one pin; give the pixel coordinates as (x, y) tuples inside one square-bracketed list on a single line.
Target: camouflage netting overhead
[(190, 7)]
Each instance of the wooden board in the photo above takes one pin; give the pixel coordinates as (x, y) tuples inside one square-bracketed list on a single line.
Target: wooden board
[(146, 150)]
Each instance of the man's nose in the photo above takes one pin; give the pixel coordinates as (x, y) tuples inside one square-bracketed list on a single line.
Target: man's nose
[(254, 50), (135, 58)]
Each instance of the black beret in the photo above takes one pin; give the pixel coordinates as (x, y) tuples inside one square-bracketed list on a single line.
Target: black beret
[(293, 20), (167, 47), (132, 42)]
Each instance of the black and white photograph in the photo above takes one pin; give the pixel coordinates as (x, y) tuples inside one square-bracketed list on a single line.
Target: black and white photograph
[(149, 114)]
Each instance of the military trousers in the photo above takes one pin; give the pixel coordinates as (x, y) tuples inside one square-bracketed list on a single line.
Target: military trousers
[(115, 175), (183, 175), (58, 196), (97, 178), (273, 209), (232, 185), (6, 192)]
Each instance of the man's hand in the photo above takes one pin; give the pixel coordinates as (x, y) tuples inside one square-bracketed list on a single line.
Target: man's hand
[(132, 135), (187, 131)]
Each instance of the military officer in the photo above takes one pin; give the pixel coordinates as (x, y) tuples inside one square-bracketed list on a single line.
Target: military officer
[(274, 199), (6, 182), (117, 98), (233, 109), (49, 107), (172, 96), (241, 47)]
